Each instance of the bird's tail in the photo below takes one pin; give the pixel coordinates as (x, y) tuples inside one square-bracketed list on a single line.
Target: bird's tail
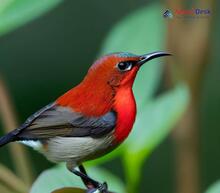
[(7, 138)]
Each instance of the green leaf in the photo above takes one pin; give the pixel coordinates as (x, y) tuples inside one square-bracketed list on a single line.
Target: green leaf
[(140, 33), (59, 177), (152, 125), (14, 13), (215, 188)]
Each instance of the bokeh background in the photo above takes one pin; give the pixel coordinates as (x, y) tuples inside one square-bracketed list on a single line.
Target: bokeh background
[(42, 59)]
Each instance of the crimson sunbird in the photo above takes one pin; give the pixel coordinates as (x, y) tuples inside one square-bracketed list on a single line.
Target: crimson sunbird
[(91, 119)]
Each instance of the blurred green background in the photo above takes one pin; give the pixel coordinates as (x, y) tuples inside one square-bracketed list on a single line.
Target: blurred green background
[(42, 59)]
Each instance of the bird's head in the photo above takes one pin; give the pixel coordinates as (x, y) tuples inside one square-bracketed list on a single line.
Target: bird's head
[(108, 80), (119, 69)]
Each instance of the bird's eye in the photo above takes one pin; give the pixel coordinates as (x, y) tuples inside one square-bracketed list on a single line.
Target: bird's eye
[(125, 66)]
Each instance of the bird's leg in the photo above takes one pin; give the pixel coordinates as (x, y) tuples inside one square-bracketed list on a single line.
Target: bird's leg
[(88, 182)]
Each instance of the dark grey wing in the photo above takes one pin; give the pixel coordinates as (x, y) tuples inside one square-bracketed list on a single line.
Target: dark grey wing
[(54, 120)]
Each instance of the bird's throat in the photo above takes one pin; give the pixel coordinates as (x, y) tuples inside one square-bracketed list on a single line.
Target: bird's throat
[(125, 107)]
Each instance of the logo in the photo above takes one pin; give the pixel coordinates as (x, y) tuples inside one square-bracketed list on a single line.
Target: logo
[(187, 13), (167, 14)]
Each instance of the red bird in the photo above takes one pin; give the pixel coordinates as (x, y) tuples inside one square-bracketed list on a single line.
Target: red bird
[(91, 119)]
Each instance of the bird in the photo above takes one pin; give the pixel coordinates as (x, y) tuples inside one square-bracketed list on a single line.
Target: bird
[(90, 120)]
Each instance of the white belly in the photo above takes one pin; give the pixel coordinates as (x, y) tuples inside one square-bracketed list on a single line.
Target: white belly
[(77, 149)]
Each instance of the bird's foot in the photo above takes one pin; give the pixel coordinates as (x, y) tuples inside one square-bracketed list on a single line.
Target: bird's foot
[(92, 185), (98, 187), (102, 188)]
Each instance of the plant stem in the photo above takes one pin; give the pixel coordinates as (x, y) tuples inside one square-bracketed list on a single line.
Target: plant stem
[(11, 180), (188, 40), (5, 189), (18, 153)]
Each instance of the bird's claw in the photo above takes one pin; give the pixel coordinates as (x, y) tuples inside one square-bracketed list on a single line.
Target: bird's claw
[(100, 188), (103, 188)]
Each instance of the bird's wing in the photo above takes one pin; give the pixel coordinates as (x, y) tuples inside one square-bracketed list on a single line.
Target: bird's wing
[(54, 120)]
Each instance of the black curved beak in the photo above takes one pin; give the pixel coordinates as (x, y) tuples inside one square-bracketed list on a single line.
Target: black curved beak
[(147, 57)]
